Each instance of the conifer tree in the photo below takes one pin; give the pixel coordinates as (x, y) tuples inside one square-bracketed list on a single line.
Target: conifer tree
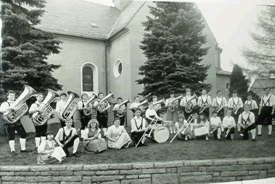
[(173, 45), (25, 49)]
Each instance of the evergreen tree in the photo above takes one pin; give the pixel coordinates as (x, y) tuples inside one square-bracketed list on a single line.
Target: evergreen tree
[(25, 49), (173, 43)]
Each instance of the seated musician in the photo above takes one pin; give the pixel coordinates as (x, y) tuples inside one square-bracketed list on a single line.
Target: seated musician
[(150, 114), (186, 127), (48, 151), (67, 137), (216, 125), (138, 124), (247, 123), (201, 126), (117, 136), (92, 141), (40, 130), (229, 125)]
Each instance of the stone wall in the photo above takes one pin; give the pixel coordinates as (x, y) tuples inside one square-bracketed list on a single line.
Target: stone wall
[(193, 171)]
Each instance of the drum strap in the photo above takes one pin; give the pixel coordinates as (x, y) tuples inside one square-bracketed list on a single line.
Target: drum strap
[(247, 121), (140, 127)]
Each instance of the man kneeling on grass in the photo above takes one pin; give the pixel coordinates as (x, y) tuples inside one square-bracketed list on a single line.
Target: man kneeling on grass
[(67, 137)]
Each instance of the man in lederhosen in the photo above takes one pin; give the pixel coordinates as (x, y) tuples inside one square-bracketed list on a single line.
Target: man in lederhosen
[(236, 104), (266, 110), (253, 107), (205, 101), (220, 104)]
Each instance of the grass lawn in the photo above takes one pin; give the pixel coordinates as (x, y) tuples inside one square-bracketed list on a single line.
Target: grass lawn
[(177, 150)]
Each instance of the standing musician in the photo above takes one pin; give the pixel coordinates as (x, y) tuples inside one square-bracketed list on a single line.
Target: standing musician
[(60, 107), (102, 113), (136, 104), (188, 103), (172, 112), (204, 102), (120, 111), (252, 105), (220, 104), (247, 123), (236, 104), (11, 128), (84, 118), (266, 110), (150, 114), (138, 127), (156, 107), (40, 130), (67, 137)]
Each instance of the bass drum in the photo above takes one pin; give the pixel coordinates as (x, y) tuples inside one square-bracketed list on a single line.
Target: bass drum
[(161, 134)]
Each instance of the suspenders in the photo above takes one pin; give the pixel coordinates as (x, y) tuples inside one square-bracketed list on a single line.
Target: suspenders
[(247, 120), (218, 103), (235, 104), (204, 103), (140, 127), (267, 102)]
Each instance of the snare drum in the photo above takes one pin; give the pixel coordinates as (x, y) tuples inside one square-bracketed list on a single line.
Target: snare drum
[(201, 131), (160, 134)]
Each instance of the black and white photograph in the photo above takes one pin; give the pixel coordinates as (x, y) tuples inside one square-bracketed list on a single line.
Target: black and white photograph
[(136, 92)]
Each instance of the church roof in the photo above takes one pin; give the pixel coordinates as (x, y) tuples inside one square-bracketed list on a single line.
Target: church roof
[(78, 18), (222, 72)]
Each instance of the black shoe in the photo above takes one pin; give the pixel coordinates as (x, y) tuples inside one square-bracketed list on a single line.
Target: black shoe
[(259, 134), (25, 151), (254, 140), (75, 155), (269, 135), (13, 153)]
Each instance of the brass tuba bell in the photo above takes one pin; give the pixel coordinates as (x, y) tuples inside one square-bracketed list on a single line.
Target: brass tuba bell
[(70, 106)]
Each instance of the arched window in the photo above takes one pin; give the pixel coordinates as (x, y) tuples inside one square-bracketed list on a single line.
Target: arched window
[(227, 85), (87, 74)]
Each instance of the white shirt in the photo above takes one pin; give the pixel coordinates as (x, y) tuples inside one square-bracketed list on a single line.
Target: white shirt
[(235, 102), (34, 106), (5, 105), (60, 106), (169, 101), (205, 123), (80, 104), (267, 100), (150, 112), (59, 134), (204, 99), (113, 131), (252, 103), (135, 126), (244, 116), (116, 107), (134, 105), (219, 101), (85, 133), (215, 121), (228, 121), (185, 99)]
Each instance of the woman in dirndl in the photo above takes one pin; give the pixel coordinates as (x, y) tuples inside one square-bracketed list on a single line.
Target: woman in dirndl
[(92, 141), (117, 136), (48, 151), (201, 127)]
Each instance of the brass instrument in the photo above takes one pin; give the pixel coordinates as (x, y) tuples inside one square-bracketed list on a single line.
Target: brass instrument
[(220, 108), (142, 103), (189, 121), (245, 127), (173, 106), (88, 112), (121, 111), (189, 105), (228, 130), (103, 103), (236, 111), (214, 129), (154, 121), (12, 116), (41, 118), (203, 108), (70, 106)]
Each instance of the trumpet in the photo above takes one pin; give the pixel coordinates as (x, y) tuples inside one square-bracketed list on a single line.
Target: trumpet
[(104, 104), (220, 108), (88, 112), (214, 129), (173, 106), (121, 111), (236, 111), (154, 121), (228, 131), (189, 121), (12, 116), (189, 105), (70, 106)]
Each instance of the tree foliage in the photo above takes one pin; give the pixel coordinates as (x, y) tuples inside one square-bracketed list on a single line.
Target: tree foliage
[(25, 49), (173, 45)]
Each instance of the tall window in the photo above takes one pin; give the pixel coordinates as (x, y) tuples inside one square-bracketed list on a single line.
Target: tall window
[(88, 84)]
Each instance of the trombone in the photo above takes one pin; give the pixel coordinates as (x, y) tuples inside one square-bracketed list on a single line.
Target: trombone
[(189, 121), (154, 121)]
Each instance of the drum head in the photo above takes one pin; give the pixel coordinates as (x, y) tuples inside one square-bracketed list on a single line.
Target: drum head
[(161, 134)]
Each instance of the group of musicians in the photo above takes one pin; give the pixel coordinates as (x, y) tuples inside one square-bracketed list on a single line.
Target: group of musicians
[(192, 111)]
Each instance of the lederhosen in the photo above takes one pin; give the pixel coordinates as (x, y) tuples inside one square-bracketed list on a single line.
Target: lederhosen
[(70, 143), (40, 130), (205, 103), (195, 109), (83, 118), (255, 111), (221, 112), (102, 118), (246, 122), (137, 135), (122, 118), (265, 112), (236, 116), (17, 126)]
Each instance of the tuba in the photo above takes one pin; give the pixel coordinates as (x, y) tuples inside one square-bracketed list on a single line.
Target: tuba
[(103, 103), (142, 103), (173, 106), (41, 118), (189, 105), (70, 106), (89, 111), (121, 111), (11, 116)]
